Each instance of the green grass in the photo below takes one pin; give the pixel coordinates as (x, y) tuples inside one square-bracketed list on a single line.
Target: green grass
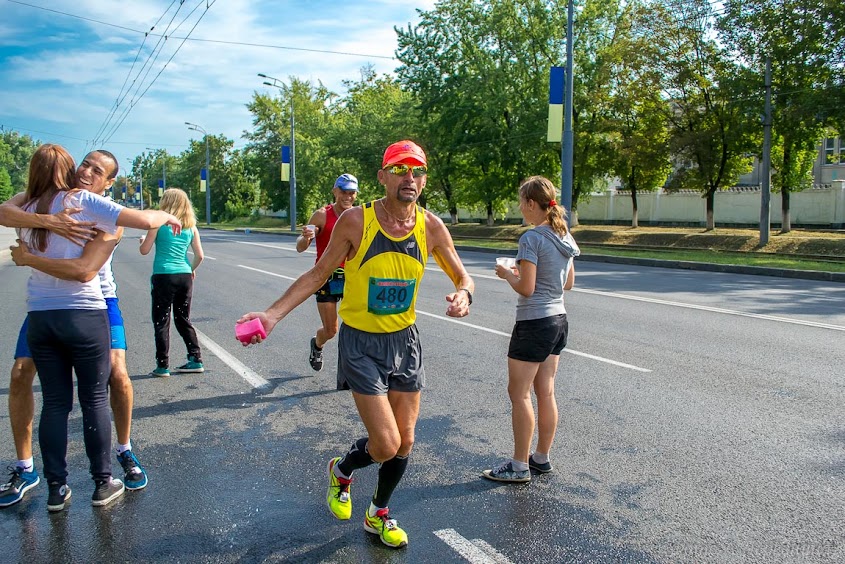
[(714, 257), (717, 257)]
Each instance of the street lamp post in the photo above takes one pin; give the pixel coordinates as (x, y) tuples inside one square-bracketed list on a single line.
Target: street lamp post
[(276, 83), (195, 127), (140, 184), (163, 171)]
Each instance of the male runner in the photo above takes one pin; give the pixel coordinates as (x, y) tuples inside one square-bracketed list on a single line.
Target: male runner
[(345, 191), (96, 174), (385, 244)]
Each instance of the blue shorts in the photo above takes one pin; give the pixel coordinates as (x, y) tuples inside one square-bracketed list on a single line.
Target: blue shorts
[(118, 333)]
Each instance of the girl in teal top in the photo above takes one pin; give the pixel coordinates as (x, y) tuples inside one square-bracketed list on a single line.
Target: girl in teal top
[(172, 281)]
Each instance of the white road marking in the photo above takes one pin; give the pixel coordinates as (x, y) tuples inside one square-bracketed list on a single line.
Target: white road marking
[(713, 309), (475, 551), (497, 557), (280, 247), (291, 278), (239, 367), (204, 256), (503, 334)]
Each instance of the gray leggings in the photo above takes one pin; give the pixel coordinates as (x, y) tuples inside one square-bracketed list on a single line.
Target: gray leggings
[(62, 341)]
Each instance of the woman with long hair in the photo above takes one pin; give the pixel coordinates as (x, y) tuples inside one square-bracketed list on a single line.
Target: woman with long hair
[(172, 281), (544, 271), (69, 330)]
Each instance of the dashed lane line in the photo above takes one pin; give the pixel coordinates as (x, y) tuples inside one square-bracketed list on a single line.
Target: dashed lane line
[(236, 365), (476, 551), (713, 309)]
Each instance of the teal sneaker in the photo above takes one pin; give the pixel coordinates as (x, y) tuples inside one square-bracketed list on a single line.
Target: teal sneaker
[(19, 483), (193, 365), (161, 372)]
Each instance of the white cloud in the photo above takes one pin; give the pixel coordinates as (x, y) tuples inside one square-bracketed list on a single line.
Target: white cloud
[(68, 76)]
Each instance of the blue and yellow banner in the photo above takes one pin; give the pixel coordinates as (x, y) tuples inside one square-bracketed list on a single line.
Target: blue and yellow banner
[(285, 163), (203, 179), (556, 80)]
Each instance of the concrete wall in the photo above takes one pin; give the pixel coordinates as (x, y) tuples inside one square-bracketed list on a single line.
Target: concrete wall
[(820, 207)]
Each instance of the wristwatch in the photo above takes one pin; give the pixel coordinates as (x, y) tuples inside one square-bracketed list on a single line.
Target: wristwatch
[(469, 294)]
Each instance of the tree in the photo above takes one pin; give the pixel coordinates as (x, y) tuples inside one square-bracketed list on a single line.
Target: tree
[(15, 153), (6, 189), (481, 74), (710, 116), (271, 122), (804, 39)]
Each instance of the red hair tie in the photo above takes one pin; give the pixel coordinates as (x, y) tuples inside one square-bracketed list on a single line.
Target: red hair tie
[(552, 203)]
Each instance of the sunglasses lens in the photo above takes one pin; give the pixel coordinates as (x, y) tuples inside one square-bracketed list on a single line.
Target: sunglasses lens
[(402, 170)]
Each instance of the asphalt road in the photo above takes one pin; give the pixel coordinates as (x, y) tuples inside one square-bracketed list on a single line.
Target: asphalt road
[(701, 421)]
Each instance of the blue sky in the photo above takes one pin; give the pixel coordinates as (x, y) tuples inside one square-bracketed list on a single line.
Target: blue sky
[(62, 74)]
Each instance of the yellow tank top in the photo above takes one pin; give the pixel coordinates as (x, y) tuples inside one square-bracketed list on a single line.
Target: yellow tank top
[(383, 278)]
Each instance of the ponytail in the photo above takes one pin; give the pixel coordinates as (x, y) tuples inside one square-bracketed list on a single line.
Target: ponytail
[(541, 190)]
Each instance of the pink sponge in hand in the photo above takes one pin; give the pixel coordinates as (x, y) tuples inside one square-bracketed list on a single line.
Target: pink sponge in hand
[(247, 330)]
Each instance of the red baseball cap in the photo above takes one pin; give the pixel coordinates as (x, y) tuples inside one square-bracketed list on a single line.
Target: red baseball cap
[(406, 152)]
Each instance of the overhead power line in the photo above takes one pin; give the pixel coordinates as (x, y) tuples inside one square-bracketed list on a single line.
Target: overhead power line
[(223, 42)]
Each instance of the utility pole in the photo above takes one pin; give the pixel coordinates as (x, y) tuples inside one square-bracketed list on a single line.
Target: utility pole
[(275, 84), (567, 146), (766, 165)]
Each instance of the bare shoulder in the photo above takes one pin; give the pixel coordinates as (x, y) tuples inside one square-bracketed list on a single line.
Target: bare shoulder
[(436, 231), (350, 224), (318, 218)]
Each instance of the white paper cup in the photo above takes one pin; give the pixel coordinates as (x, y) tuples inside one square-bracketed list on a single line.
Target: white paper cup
[(507, 262), (313, 229)]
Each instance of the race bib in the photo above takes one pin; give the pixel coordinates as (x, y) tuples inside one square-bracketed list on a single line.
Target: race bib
[(389, 296)]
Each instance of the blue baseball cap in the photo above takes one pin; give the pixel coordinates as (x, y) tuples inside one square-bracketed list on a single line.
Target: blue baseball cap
[(347, 183)]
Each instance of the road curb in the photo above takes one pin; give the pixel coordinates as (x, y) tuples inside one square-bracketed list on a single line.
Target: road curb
[(658, 263)]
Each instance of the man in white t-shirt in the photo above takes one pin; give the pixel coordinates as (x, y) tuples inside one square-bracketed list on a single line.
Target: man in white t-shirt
[(96, 174)]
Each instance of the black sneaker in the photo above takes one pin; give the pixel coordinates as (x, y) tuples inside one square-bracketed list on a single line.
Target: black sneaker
[(542, 468), (58, 496), (316, 357), (106, 491), (194, 365)]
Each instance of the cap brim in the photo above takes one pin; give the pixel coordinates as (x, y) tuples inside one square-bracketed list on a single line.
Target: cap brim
[(406, 158)]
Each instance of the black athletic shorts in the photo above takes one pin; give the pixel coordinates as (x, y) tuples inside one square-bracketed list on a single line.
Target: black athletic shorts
[(332, 290), (535, 339)]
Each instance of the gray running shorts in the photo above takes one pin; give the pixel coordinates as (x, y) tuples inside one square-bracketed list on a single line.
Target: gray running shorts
[(373, 363)]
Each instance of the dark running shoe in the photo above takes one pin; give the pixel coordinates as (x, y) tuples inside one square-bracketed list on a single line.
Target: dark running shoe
[(58, 496), (193, 365), (106, 491), (542, 468), (134, 475), (316, 357), (506, 473), (19, 483)]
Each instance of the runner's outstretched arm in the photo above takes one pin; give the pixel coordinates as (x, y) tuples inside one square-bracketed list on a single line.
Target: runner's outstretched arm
[(346, 236)]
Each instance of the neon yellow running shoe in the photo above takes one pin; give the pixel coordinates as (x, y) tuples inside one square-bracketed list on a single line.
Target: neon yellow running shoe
[(338, 499), (387, 528)]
